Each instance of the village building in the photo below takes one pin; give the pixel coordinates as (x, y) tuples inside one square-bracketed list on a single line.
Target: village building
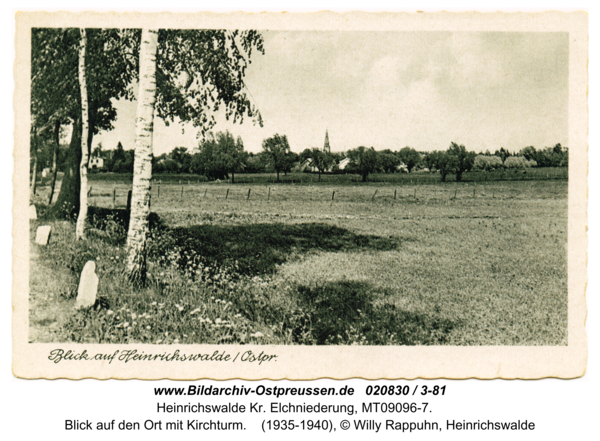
[(96, 163), (307, 164)]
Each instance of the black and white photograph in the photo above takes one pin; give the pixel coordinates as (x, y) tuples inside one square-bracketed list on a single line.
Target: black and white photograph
[(278, 197)]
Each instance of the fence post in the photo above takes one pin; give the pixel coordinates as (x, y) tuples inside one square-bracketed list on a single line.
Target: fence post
[(205, 190), (473, 192), (394, 193), (181, 190), (227, 194), (333, 195), (415, 195), (158, 190), (129, 201), (373, 198), (114, 196), (269, 195), (248, 197), (455, 193)]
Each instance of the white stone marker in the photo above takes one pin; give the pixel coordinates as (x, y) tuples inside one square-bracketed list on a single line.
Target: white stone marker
[(32, 212), (88, 286), (42, 235)]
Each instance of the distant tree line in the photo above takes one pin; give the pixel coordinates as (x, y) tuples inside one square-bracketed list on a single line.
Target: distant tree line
[(220, 156)]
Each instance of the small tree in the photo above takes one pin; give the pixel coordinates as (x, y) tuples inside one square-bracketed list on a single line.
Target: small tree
[(430, 160), (364, 160), (291, 159), (463, 160), (445, 163), (388, 161), (305, 155), (254, 163), (528, 153), (410, 157), (118, 155), (277, 150), (181, 156), (218, 156), (502, 153), (321, 160)]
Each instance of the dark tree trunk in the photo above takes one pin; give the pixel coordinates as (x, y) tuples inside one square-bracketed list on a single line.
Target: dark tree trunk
[(364, 177), (54, 161), (232, 178), (319, 176), (277, 175), (67, 203), (34, 174)]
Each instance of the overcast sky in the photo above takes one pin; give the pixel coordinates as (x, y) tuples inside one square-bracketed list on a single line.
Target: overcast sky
[(394, 89)]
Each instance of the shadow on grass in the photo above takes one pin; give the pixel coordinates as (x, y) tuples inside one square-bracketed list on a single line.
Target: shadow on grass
[(343, 312), (259, 248)]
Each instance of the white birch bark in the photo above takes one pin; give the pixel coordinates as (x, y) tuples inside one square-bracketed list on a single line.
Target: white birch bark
[(83, 167), (142, 171)]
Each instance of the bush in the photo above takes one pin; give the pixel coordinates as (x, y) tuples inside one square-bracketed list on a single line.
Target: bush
[(487, 163), (518, 163)]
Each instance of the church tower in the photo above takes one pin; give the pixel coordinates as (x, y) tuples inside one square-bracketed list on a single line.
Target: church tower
[(326, 147)]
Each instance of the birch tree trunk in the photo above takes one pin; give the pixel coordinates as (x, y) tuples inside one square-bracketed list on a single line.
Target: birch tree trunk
[(142, 171), (83, 166)]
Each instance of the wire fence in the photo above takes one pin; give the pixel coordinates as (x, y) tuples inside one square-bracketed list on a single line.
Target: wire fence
[(171, 195)]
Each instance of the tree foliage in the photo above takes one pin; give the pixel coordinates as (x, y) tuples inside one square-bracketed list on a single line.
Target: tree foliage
[(502, 153), (219, 155), (55, 94), (487, 163), (410, 157), (276, 150), (556, 156), (442, 162), (462, 159), (518, 163), (364, 160), (321, 160), (200, 71), (389, 161)]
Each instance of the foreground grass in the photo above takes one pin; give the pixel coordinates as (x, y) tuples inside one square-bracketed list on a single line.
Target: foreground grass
[(489, 270), (200, 298)]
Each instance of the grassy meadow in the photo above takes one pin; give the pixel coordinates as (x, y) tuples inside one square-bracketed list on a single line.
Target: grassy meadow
[(337, 262)]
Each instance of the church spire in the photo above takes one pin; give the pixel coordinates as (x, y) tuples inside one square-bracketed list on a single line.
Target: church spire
[(326, 147)]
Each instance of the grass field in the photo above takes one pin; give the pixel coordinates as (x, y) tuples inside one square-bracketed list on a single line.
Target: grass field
[(474, 263)]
